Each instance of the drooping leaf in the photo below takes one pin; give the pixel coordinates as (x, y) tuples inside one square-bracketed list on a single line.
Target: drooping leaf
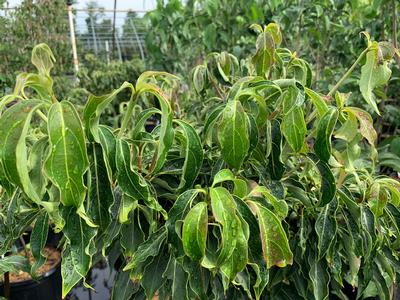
[(130, 181), (132, 234), (328, 183), (37, 157), (108, 143), (366, 123), (95, 106), (274, 241), (293, 125), (224, 211), (14, 126), (43, 59), (153, 279), (326, 227), (100, 190), (80, 237), (179, 278), (373, 74), (233, 134), (166, 136), (69, 274), (194, 231), (148, 249), (38, 240), (14, 264), (193, 156), (318, 101), (67, 161), (326, 125), (320, 279), (280, 206), (263, 59), (177, 213), (239, 258), (275, 164), (349, 129), (123, 288)]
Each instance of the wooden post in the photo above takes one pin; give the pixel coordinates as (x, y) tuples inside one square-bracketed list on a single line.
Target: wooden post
[(73, 40)]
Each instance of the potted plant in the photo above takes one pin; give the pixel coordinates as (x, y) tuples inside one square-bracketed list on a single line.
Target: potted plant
[(269, 190)]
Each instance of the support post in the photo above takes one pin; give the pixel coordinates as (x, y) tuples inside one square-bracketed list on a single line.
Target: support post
[(73, 40)]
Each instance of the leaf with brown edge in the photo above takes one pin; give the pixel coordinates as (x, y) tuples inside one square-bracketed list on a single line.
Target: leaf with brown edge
[(274, 241)]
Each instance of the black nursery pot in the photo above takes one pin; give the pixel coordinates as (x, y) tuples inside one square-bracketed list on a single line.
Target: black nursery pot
[(48, 287)]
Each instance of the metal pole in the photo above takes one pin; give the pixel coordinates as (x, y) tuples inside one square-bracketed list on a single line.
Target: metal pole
[(73, 41), (115, 10), (119, 49), (138, 40), (107, 52), (94, 36)]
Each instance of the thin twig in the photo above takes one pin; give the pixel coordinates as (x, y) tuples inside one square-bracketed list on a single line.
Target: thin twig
[(348, 73)]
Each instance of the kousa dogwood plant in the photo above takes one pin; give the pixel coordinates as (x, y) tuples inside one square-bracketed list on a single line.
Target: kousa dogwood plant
[(257, 187)]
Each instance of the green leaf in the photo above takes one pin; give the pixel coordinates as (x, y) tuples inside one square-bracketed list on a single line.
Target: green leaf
[(38, 240), (80, 237), (328, 183), (179, 278), (199, 77), (349, 129), (254, 242), (69, 274), (318, 101), (43, 59), (150, 248), (194, 232), (275, 164), (280, 206), (132, 234), (366, 123), (14, 126), (100, 189), (240, 185), (37, 157), (368, 225), (263, 59), (177, 213), (108, 143), (67, 161), (210, 122), (210, 36), (233, 134), (373, 74), (131, 182), (274, 241), (193, 156), (166, 136), (320, 279), (141, 120), (95, 106), (294, 128), (14, 264), (224, 211), (239, 258), (326, 125), (153, 279), (123, 288), (326, 227)]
